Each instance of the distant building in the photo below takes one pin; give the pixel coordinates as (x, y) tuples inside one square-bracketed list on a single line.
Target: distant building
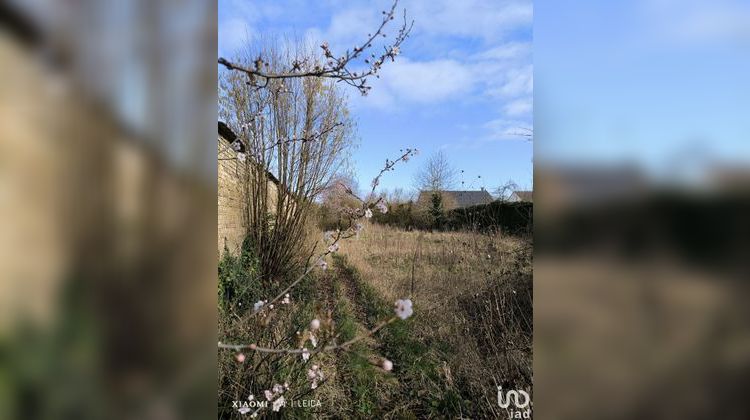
[(457, 199), (521, 196)]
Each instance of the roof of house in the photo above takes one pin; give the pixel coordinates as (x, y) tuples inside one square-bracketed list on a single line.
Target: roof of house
[(524, 195), (228, 135), (462, 198)]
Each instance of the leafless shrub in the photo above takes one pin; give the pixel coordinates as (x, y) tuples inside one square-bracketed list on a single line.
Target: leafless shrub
[(296, 133)]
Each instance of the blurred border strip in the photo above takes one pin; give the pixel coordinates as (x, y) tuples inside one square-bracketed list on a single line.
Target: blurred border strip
[(107, 206)]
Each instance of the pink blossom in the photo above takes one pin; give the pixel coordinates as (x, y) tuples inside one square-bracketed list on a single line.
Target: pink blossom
[(387, 365)]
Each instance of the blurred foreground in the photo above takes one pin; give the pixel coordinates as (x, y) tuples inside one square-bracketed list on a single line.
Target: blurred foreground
[(107, 192), (642, 197), (640, 299)]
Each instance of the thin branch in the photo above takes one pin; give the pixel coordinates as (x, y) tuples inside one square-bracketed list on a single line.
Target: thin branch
[(344, 345), (334, 68)]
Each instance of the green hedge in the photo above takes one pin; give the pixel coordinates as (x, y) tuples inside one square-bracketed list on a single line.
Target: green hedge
[(510, 218)]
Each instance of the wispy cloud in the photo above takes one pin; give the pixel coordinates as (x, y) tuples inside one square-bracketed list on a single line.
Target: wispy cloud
[(420, 82), (490, 20), (519, 107)]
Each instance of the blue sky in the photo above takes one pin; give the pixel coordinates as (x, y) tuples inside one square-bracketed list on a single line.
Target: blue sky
[(463, 83), (659, 84)]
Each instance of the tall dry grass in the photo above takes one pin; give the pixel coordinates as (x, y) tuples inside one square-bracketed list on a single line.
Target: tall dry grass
[(473, 298)]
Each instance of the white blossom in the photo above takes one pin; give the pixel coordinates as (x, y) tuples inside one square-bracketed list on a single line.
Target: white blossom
[(315, 374), (404, 308), (268, 394), (258, 306), (315, 324), (368, 213), (313, 340), (333, 247), (286, 300), (305, 354), (241, 157), (382, 206), (278, 403), (323, 265), (387, 365), (244, 410)]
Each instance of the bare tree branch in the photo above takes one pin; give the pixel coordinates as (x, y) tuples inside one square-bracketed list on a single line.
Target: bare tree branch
[(337, 68)]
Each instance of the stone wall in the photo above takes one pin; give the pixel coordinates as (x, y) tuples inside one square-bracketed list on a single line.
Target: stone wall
[(232, 207)]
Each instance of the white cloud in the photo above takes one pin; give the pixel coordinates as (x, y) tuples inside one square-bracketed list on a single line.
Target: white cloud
[(487, 19), (508, 51), (519, 107), (516, 82), (427, 81), (418, 82)]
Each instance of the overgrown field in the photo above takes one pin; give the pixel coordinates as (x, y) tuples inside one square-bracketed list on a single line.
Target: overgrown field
[(473, 306), (471, 330)]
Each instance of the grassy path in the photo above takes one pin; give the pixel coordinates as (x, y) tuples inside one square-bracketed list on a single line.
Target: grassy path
[(415, 388)]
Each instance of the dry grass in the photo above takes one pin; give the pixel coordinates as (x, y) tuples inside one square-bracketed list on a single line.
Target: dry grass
[(471, 331), (472, 295)]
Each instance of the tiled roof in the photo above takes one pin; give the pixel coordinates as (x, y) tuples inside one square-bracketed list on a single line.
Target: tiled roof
[(461, 198)]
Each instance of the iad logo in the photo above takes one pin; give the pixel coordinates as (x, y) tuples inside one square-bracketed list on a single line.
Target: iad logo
[(520, 400)]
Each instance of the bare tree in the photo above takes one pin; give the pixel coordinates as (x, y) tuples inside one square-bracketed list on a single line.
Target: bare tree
[(503, 192), (297, 131), (437, 174)]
